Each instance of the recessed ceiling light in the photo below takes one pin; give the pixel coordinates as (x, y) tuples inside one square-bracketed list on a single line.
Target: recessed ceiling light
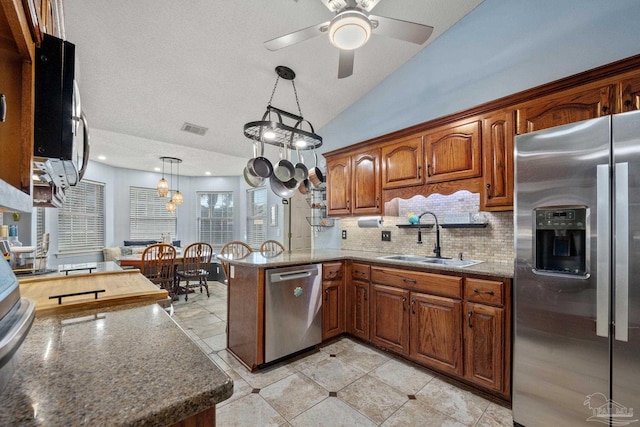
[(207, 173), (101, 157), (157, 169), (269, 134)]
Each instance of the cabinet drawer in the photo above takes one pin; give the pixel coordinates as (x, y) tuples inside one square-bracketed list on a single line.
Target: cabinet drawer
[(434, 284), (484, 291), (332, 270), (361, 271)]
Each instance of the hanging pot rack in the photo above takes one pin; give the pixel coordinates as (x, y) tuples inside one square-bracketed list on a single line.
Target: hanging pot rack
[(284, 135)]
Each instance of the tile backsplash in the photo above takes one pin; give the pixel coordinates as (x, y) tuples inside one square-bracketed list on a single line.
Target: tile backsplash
[(494, 242)]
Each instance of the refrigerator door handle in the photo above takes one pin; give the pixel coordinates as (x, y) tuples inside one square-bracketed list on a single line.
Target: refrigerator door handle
[(603, 252), (621, 232)]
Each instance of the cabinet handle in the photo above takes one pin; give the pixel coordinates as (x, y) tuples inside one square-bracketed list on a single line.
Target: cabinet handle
[(326, 294), (3, 108), (628, 103), (488, 191), (377, 202), (348, 205), (419, 167), (413, 301), (428, 171), (404, 308), (332, 272), (360, 272), (478, 291), (605, 109), (405, 280), (469, 314)]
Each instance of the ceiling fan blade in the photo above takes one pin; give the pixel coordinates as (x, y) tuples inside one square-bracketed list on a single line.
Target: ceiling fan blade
[(403, 30), (367, 4), (295, 37), (334, 5), (345, 63)]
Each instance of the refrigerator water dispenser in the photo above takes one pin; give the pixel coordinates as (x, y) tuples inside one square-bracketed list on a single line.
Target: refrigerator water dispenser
[(560, 240)]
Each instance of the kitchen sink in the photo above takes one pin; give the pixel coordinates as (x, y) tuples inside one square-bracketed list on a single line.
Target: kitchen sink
[(414, 258), (452, 262), (431, 260)]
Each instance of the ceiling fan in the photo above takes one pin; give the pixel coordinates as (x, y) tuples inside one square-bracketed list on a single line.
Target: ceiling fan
[(351, 28)]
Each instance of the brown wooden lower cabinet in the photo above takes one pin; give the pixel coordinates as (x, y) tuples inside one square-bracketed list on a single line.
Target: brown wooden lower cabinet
[(484, 345), (333, 309), (358, 309), (390, 318), (436, 338)]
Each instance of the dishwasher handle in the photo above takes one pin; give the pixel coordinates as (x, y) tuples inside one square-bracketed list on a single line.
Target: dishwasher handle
[(293, 275)]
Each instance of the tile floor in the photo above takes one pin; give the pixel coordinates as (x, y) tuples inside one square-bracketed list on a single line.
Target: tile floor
[(344, 383)]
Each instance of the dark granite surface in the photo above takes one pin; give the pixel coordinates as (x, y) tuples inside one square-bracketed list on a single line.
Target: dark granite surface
[(490, 268), (129, 365)]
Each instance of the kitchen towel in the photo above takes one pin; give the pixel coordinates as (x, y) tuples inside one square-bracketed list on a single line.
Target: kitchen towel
[(370, 222)]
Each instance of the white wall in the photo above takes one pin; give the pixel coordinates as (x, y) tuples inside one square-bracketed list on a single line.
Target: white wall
[(501, 47)]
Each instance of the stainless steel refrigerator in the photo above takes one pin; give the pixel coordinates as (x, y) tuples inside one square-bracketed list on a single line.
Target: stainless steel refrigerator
[(577, 274)]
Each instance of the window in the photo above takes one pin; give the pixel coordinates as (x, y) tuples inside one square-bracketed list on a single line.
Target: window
[(148, 217), (81, 219), (256, 216), (39, 212), (215, 217)]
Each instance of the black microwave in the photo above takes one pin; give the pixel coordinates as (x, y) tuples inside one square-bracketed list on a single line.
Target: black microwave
[(60, 151)]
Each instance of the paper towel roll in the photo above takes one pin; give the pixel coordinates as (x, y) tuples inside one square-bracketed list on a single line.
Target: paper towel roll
[(370, 222)]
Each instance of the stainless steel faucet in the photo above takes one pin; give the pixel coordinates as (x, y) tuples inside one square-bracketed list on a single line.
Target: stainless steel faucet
[(436, 249)]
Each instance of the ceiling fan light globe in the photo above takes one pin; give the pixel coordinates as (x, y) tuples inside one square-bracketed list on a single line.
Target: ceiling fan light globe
[(349, 30)]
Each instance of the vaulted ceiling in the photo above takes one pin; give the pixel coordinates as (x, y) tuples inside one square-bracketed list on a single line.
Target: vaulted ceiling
[(146, 67)]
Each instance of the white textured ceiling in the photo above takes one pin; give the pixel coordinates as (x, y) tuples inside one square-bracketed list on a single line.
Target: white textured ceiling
[(147, 66)]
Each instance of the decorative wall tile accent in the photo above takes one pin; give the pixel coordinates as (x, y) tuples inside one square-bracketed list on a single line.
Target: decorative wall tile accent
[(495, 242)]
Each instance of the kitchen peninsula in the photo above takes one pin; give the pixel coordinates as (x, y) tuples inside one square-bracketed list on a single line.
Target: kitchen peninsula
[(454, 320), (121, 363)]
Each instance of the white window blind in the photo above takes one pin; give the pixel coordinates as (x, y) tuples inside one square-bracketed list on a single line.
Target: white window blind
[(81, 218), (215, 217), (256, 216), (39, 230), (149, 219)]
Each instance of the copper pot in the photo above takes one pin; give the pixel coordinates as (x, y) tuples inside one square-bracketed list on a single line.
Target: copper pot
[(315, 175)]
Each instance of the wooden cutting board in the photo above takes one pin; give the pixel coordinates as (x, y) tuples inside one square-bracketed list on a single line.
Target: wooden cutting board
[(120, 287)]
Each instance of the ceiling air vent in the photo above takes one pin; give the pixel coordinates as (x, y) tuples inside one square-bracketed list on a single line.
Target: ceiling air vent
[(198, 130)]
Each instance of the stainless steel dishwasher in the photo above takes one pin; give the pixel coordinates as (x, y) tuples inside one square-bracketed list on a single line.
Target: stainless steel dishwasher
[(293, 310)]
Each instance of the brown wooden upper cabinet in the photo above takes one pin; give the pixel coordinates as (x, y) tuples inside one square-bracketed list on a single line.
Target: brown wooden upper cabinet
[(353, 184), (564, 107), (497, 149), (630, 99), (453, 152), (403, 163)]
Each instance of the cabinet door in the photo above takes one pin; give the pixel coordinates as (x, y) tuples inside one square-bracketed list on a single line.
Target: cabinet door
[(436, 332), (358, 309), (402, 163), (497, 148), (565, 107), (365, 183), (338, 185), (390, 318), (332, 309), (630, 94), (453, 152), (484, 345)]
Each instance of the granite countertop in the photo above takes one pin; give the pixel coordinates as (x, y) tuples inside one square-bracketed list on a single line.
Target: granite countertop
[(93, 368), (256, 259)]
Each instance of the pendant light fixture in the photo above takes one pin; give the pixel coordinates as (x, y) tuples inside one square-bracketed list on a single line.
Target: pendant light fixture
[(277, 132), (175, 199), (163, 185)]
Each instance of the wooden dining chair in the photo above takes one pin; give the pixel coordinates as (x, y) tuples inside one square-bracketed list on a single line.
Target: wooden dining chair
[(234, 249), (271, 248), (196, 260), (158, 265)]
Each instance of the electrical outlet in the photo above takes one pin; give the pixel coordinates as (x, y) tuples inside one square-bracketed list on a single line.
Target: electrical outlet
[(344, 234), (386, 236)]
